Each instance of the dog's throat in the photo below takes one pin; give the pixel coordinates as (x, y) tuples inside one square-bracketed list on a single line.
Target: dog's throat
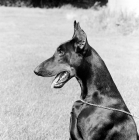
[(60, 79)]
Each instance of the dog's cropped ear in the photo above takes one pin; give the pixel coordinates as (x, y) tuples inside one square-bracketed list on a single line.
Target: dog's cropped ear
[(75, 25), (79, 36)]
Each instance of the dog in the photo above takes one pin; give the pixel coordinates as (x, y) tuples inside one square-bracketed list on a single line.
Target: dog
[(76, 58)]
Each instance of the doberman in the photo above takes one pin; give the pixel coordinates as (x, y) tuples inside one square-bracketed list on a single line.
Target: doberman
[(76, 58)]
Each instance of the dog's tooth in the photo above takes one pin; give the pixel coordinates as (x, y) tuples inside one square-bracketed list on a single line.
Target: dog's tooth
[(62, 78), (65, 74)]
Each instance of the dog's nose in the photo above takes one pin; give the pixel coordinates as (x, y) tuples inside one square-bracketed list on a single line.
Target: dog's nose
[(37, 71)]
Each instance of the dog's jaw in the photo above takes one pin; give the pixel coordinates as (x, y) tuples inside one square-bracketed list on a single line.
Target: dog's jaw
[(60, 79)]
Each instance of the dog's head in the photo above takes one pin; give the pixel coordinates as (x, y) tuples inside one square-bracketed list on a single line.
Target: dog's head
[(67, 59)]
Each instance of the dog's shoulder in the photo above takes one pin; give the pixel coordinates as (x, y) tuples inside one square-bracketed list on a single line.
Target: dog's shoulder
[(77, 107)]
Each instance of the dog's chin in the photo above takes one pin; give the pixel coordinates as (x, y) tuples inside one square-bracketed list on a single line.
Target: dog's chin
[(60, 79)]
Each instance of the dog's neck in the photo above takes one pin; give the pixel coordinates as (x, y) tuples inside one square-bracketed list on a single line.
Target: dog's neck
[(95, 79)]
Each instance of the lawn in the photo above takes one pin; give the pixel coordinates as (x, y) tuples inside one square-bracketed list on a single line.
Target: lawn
[(29, 108)]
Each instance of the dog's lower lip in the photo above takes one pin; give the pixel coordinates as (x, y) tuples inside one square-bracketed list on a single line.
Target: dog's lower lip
[(58, 85)]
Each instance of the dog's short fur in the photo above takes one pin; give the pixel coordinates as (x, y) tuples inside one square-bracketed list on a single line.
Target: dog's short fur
[(76, 58)]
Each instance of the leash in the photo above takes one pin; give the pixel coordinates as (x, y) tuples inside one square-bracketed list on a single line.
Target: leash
[(109, 108)]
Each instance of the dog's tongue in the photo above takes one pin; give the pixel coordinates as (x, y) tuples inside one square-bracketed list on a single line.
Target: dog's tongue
[(54, 82), (60, 79)]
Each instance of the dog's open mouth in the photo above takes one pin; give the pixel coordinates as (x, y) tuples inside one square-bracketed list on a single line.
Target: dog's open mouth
[(60, 79)]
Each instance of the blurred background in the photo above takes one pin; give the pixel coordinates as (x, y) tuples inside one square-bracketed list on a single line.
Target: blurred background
[(52, 3)]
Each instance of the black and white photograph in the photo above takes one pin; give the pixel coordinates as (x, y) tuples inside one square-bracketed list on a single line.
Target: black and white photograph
[(69, 69)]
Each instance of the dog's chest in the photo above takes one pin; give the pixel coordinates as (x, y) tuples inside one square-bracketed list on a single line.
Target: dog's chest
[(90, 119)]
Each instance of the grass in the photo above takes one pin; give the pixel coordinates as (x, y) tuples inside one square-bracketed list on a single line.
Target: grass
[(29, 108), (102, 20)]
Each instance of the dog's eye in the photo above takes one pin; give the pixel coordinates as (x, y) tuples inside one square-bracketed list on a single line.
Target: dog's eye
[(60, 52)]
